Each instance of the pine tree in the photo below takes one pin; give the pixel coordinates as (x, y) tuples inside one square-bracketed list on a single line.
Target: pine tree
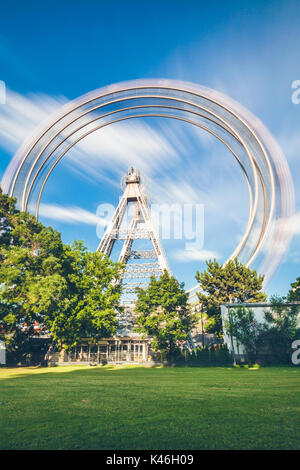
[(294, 292), (224, 284)]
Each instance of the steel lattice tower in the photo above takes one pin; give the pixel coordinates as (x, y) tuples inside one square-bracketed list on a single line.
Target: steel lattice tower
[(130, 223)]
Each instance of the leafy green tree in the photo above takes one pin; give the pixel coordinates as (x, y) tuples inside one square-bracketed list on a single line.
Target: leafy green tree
[(28, 251), (294, 292), (89, 298), (163, 314), (224, 284), (66, 289), (7, 211), (280, 329), (243, 326)]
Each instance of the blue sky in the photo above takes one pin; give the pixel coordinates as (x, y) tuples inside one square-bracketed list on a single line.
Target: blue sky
[(59, 50)]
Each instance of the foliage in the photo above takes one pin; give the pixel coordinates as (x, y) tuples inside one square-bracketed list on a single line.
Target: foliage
[(64, 288), (163, 313), (224, 284), (89, 298), (29, 252), (294, 292), (223, 355), (243, 326), (272, 339), (214, 355), (280, 330)]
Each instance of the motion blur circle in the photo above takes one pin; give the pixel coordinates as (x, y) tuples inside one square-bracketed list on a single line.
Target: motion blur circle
[(263, 165)]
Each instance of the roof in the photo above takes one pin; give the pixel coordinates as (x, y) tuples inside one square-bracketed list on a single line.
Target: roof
[(253, 304)]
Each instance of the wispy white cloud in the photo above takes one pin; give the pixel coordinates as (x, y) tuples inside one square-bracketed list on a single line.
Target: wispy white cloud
[(181, 164), (290, 142), (21, 115), (116, 146), (121, 145), (194, 255), (160, 153), (71, 215), (291, 225)]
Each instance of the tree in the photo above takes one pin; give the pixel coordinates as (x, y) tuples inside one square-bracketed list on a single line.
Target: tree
[(28, 250), (89, 298), (281, 329), (163, 314), (66, 289), (294, 292), (7, 211), (243, 326), (224, 284)]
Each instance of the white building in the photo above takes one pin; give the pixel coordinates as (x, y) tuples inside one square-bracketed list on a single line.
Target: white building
[(258, 310)]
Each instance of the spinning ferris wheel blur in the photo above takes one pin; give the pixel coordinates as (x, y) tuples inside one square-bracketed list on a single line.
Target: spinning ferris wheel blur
[(262, 163)]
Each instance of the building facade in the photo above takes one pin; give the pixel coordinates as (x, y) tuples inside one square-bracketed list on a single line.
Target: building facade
[(259, 310)]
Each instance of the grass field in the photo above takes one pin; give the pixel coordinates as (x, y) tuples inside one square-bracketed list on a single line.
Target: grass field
[(149, 408)]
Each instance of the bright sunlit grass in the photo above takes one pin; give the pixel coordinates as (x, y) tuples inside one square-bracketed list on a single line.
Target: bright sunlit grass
[(79, 407)]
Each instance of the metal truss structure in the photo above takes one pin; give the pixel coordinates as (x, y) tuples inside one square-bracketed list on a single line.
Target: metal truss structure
[(262, 163), (140, 265)]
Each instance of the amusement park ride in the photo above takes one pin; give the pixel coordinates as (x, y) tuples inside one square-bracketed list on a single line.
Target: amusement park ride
[(140, 264), (262, 164)]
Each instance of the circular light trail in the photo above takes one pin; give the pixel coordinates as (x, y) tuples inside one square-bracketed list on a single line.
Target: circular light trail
[(271, 194)]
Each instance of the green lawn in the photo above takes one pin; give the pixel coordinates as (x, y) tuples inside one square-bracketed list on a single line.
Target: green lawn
[(149, 408)]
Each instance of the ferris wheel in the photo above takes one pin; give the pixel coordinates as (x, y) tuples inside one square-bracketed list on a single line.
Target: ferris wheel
[(261, 161)]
